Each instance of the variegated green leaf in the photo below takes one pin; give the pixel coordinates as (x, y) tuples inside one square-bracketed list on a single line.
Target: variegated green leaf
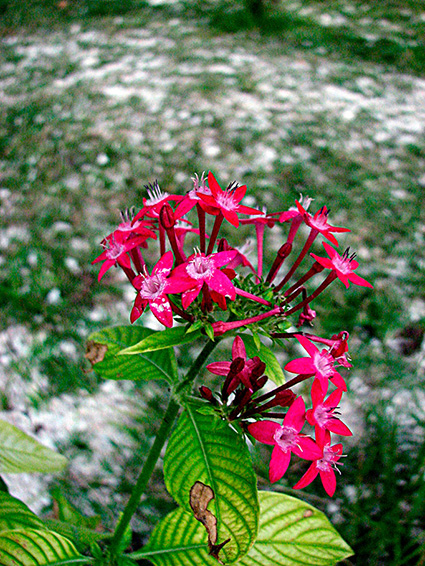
[(15, 515), (104, 348), (163, 339), (294, 533), (206, 449), (31, 547)]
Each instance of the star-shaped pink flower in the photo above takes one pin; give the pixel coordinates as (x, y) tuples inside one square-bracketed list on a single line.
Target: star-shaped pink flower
[(227, 201), (320, 364), (200, 269), (153, 290), (323, 414), (286, 438), (325, 465), (319, 223), (116, 247), (343, 266)]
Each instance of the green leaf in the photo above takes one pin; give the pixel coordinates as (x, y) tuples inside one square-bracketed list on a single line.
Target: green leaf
[(178, 540), (164, 339), (294, 533), (67, 513), (82, 537), (216, 456), (14, 514), (273, 369), (21, 453), (111, 365), (31, 547)]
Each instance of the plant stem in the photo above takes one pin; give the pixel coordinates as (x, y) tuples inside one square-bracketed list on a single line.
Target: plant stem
[(145, 474), (155, 451)]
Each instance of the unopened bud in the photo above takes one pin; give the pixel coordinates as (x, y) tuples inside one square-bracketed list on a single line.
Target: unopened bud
[(237, 366), (206, 393), (285, 398), (261, 382), (166, 216), (258, 369), (223, 245)]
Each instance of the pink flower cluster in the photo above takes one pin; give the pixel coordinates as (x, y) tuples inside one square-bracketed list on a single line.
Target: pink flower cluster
[(176, 281), (210, 279), (238, 399)]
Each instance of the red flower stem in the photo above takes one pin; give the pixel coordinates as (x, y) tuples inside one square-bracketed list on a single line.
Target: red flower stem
[(295, 294), (245, 399), (282, 254), (315, 268), (161, 239), (206, 305), (201, 220), (259, 229), (331, 277), (312, 236), (221, 327), (217, 223), (294, 381), (137, 258), (171, 233), (128, 271), (181, 312), (247, 295)]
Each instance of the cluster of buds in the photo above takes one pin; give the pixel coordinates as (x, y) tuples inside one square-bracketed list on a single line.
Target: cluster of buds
[(195, 288)]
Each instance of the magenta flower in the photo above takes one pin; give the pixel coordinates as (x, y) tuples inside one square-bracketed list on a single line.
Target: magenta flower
[(322, 415), (319, 364), (200, 269), (227, 201), (343, 266), (325, 465), (192, 198), (116, 247), (319, 223), (157, 198), (286, 438), (153, 290)]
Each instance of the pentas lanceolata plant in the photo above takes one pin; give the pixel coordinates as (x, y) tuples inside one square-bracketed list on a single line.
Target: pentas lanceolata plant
[(200, 285), (203, 289)]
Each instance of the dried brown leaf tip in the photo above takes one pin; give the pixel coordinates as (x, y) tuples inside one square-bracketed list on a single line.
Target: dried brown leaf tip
[(95, 352), (200, 497)]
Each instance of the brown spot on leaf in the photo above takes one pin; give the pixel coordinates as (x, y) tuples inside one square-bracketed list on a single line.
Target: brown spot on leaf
[(95, 352), (200, 496), (307, 513)]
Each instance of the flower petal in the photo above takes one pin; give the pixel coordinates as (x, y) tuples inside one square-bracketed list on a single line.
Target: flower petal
[(278, 464), (308, 477), (264, 431), (329, 481)]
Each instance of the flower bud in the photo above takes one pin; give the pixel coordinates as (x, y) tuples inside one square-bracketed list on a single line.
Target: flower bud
[(166, 216), (285, 398), (206, 393)]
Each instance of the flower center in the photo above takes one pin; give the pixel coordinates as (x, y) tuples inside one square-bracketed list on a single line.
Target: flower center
[(328, 461), (152, 287), (200, 267), (226, 200), (324, 364), (322, 415), (286, 437), (115, 250)]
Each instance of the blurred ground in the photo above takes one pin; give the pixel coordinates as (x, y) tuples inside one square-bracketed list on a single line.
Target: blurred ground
[(321, 98)]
